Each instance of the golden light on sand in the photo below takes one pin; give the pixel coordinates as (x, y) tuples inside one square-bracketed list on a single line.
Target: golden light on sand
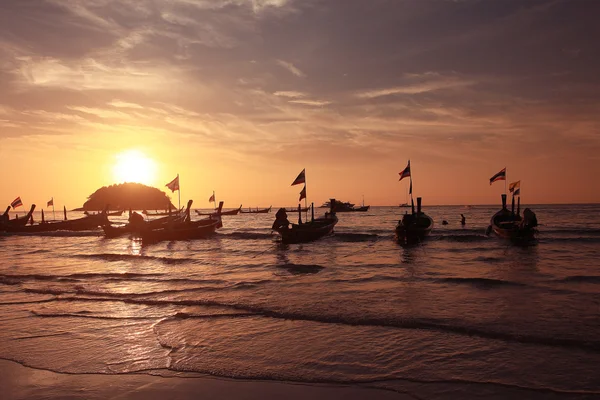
[(134, 166)]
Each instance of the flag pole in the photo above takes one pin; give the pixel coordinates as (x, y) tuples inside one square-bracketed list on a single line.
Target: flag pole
[(505, 180), (214, 200), (305, 198), (179, 191), (53, 213)]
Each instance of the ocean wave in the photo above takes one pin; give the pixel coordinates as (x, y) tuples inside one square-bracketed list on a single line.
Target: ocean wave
[(60, 233), (301, 268), (384, 322), (482, 282), (462, 238), (111, 257), (14, 279), (247, 235), (581, 278), (355, 237)]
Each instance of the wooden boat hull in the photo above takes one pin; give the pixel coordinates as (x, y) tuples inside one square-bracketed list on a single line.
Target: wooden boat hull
[(508, 226), (309, 231), (111, 231), (182, 231), (262, 211), (228, 212), (416, 232), (88, 223)]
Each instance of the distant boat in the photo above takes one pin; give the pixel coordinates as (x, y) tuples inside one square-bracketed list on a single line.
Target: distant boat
[(510, 225), (348, 207), (404, 205), (304, 232), (228, 212), (161, 213), (414, 227), (108, 214), (256, 211)]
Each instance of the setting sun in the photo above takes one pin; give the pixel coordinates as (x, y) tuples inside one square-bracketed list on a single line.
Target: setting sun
[(134, 166)]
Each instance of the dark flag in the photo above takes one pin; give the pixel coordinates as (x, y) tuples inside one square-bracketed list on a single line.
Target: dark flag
[(405, 173), (302, 193), (500, 176), (300, 179)]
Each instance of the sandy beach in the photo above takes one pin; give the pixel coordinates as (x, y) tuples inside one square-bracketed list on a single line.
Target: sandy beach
[(20, 382)]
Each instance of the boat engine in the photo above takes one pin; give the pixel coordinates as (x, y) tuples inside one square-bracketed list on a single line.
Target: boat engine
[(529, 218)]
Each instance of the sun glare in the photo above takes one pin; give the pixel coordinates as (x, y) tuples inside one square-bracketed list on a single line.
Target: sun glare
[(134, 166)]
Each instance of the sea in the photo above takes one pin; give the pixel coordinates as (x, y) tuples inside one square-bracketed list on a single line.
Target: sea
[(461, 315)]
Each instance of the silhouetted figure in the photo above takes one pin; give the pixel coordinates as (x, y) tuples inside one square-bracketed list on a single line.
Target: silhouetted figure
[(281, 220), (136, 219), (463, 220)]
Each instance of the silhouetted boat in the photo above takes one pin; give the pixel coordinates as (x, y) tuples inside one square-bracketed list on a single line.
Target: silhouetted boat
[(510, 225), (214, 213), (135, 226), (186, 230), (303, 232), (414, 227), (404, 205), (161, 213), (88, 223), (6, 222), (348, 207), (108, 214), (257, 211)]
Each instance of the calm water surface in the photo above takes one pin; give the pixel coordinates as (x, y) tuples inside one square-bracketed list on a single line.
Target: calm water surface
[(461, 316)]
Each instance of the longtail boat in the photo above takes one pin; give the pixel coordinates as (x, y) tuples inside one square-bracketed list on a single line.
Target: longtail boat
[(304, 232), (510, 225), (256, 211), (88, 223), (108, 214), (6, 223), (414, 227), (161, 213), (185, 230), (218, 211), (136, 225)]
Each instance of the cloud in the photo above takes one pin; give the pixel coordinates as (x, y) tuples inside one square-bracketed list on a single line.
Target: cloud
[(291, 68)]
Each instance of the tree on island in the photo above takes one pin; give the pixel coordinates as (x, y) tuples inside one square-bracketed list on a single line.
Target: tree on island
[(125, 196)]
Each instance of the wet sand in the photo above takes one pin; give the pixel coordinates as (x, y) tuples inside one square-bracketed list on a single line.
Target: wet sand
[(20, 382)]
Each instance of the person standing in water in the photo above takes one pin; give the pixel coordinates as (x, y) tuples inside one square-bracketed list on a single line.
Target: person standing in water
[(463, 220)]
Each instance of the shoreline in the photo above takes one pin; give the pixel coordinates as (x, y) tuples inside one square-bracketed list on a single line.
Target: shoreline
[(22, 382)]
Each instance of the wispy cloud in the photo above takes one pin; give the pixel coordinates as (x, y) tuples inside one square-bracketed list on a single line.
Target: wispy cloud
[(291, 68)]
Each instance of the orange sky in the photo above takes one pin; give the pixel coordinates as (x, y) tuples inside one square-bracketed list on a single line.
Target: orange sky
[(238, 96)]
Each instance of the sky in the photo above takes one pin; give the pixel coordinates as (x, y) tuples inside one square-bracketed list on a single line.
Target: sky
[(238, 96)]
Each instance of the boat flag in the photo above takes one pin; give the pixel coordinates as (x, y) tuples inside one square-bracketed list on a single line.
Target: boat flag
[(16, 203), (50, 202), (514, 185), (300, 179), (212, 198), (302, 193), (517, 192), (500, 176), (174, 184), (405, 173)]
